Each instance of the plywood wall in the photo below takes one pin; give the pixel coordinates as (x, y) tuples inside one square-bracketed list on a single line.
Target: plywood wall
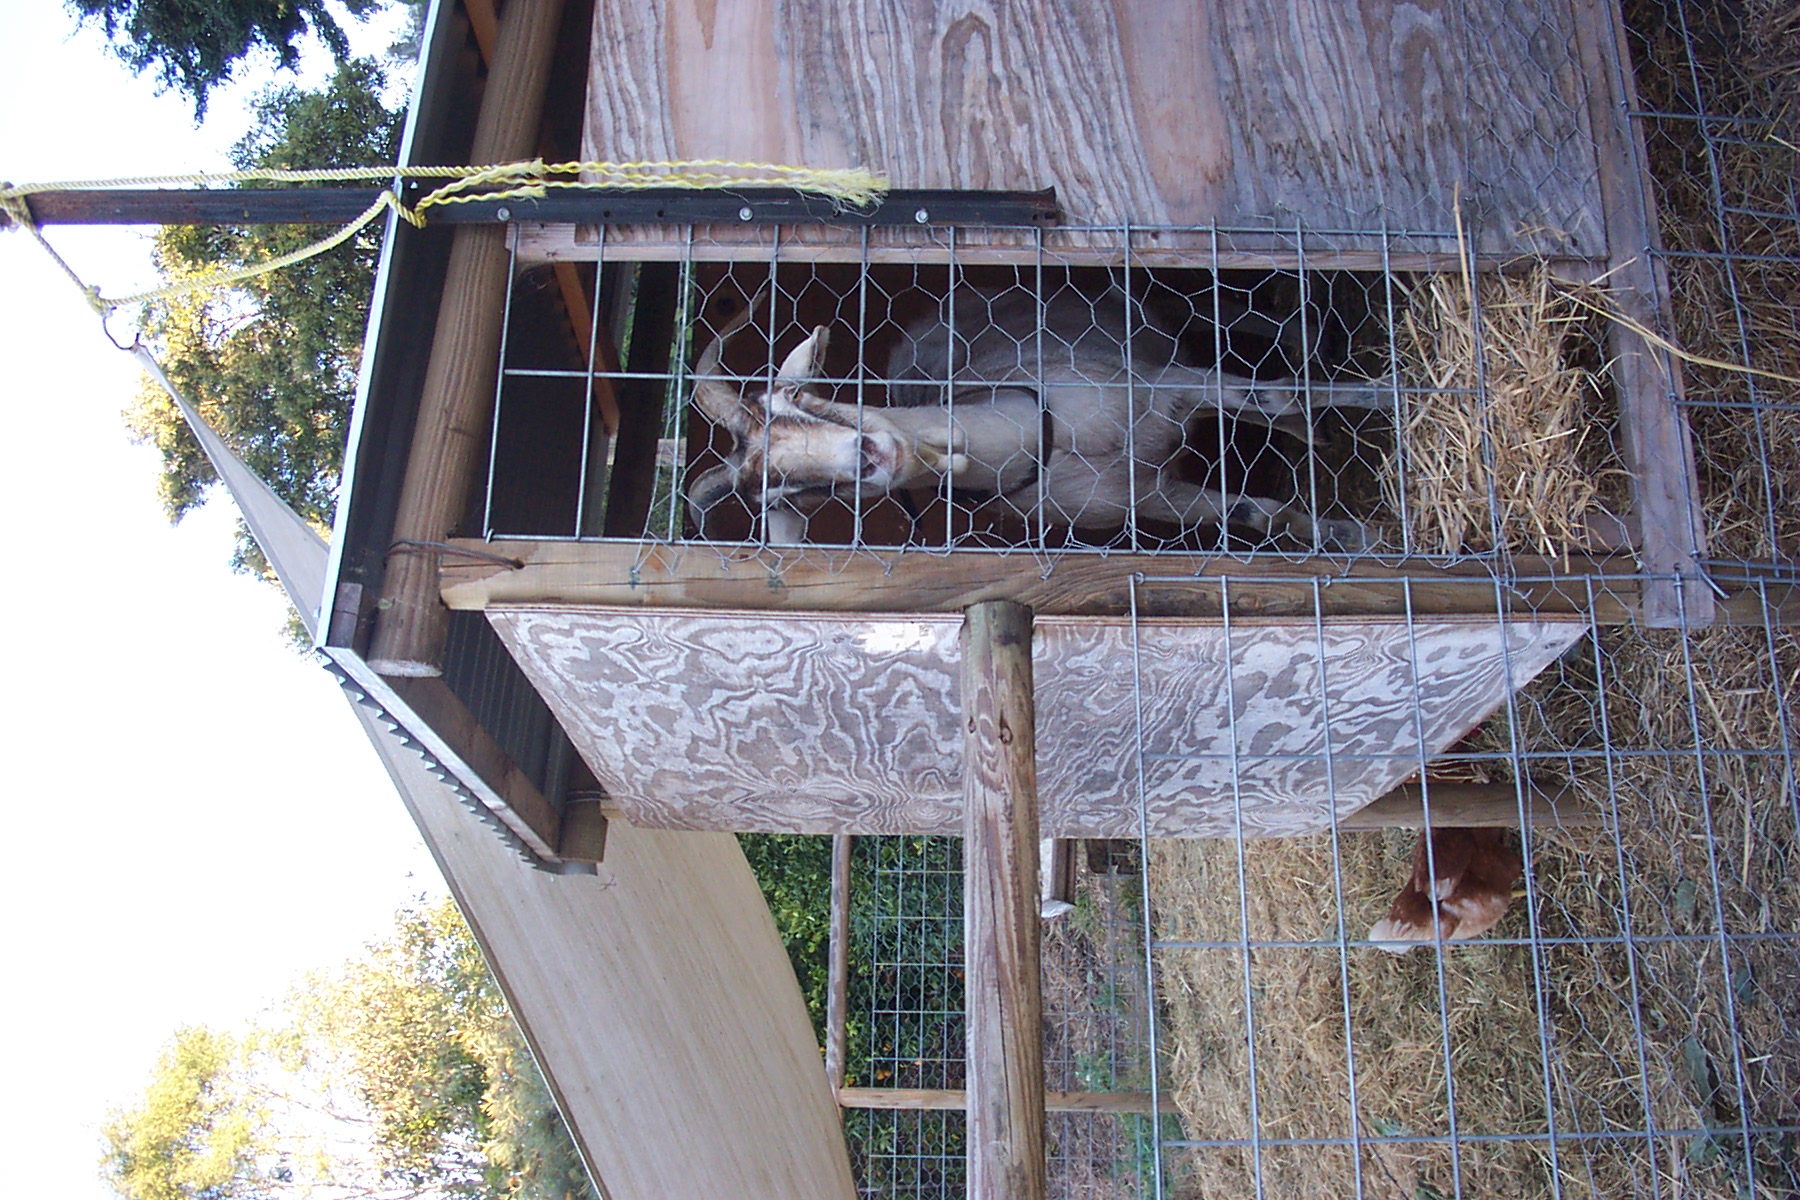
[(658, 1000), (825, 724), (1383, 114)]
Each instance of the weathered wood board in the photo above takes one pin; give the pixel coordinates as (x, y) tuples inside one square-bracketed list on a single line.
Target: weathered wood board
[(1155, 112), (827, 724)]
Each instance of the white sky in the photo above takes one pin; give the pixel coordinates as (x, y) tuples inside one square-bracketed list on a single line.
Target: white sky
[(193, 818)]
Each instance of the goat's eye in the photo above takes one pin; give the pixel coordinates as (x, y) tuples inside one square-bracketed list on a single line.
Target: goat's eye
[(870, 457)]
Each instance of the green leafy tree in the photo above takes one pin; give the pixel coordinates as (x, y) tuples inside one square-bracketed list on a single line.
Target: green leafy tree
[(400, 1075), (193, 46), (271, 362), (794, 873), (195, 1135)]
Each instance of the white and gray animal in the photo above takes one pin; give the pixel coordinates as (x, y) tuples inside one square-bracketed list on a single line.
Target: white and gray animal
[(1050, 406)]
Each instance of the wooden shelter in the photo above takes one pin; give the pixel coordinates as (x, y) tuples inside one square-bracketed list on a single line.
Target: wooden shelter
[(602, 685)]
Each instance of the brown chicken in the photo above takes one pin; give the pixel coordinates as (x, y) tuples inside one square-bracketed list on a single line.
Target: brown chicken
[(1476, 870)]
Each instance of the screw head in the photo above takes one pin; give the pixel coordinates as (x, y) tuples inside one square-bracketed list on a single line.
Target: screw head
[(503, 214), (744, 213), (922, 216)]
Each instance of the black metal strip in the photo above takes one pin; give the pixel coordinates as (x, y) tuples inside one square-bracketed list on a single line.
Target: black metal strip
[(584, 206)]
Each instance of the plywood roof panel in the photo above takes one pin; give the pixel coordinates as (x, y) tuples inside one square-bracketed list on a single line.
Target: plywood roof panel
[(824, 724), (1384, 114)]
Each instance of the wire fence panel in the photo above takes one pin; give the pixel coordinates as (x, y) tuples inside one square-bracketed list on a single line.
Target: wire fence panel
[(906, 1031), (1629, 1028)]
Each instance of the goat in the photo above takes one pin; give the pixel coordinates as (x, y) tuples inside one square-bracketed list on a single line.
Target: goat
[(1085, 435)]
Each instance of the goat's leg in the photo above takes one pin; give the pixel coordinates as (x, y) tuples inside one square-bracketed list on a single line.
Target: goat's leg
[(1272, 401), (1182, 391), (1187, 504)]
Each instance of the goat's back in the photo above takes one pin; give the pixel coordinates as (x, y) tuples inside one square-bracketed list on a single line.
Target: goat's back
[(1006, 336)]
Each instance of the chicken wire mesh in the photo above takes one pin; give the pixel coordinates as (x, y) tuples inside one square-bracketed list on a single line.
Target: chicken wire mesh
[(1061, 407)]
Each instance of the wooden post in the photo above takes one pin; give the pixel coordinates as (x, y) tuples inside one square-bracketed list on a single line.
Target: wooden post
[(1001, 934), (837, 996), (1665, 487), (458, 395)]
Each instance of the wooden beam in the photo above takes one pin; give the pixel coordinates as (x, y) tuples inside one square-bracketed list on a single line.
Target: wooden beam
[(809, 579), (1001, 930), (548, 241), (1477, 805), (954, 1099), (450, 436), (582, 837), (1658, 451), (595, 342), (837, 996), (814, 579), (485, 25)]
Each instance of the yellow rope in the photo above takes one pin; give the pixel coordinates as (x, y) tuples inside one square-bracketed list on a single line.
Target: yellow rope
[(527, 180)]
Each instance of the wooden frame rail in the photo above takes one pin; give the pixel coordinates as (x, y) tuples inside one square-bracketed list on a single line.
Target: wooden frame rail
[(956, 1100), (798, 579)]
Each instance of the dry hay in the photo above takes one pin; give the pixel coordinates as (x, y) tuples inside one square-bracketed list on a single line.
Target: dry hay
[(1595, 1006), (1509, 441), (1742, 311)]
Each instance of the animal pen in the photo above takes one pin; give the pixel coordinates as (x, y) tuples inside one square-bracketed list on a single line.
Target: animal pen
[(1246, 435)]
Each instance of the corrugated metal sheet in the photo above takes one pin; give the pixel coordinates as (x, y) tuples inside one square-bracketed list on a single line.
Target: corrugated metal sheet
[(484, 677)]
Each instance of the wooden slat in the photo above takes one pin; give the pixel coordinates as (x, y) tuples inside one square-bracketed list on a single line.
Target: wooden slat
[(837, 999), (1665, 488), (449, 439), (801, 580), (1002, 933), (1056, 874), (1228, 250), (595, 343), (822, 580), (1466, 805), (955, 1099), (484, 24)]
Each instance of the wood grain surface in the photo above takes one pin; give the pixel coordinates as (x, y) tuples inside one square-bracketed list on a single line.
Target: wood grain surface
[(449, 437), (1383, 114), (1002, 931), (827, 724), (517, 573), (656, 996)]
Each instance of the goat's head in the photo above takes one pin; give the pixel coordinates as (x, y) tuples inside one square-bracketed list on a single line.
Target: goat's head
[(793, 448)]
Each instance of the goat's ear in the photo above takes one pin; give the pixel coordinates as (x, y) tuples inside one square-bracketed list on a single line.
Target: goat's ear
[(706, 490), (798, 365)]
